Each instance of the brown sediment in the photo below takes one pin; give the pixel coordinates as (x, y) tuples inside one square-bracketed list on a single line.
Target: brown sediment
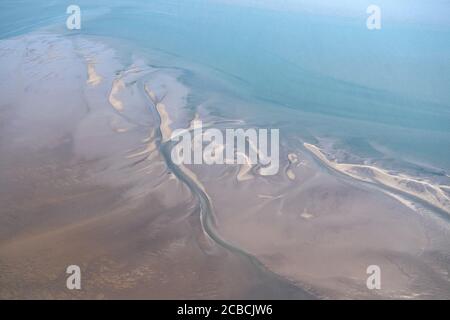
[(70, 195)]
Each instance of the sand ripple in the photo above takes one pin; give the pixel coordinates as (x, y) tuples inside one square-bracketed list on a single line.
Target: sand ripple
[(423, 190)]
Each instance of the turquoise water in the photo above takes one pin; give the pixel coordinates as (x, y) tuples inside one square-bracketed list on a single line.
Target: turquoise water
[(309, 67)]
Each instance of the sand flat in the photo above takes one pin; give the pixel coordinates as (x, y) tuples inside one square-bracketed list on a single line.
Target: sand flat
[(70, 195)]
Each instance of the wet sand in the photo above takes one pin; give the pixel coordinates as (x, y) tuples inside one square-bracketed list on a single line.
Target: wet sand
[(432, 194), (322, 232), (86, 178), (83, 181)]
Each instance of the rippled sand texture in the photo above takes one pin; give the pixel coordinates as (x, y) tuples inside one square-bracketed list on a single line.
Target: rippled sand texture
[(82, 181), (424, 190)]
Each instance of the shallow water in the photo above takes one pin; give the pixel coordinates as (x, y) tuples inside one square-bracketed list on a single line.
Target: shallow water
[(382, 95)]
